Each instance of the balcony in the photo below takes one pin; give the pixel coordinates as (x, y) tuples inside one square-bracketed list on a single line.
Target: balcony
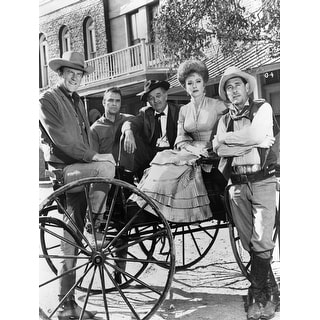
[(126, 64)]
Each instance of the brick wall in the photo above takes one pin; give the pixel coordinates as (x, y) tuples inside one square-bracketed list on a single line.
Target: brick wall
[(72, 17)]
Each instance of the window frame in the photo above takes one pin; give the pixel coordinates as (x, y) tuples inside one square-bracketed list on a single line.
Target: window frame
[(64, 40), (133, 33), (43, 61), (89, 32)]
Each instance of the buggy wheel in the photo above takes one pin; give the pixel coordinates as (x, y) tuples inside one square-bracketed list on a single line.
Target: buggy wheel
[(193, 241), (100, 265), (49, 242), (242, 256)]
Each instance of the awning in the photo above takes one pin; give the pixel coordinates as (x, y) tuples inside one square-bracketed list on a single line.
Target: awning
[(253, 59)]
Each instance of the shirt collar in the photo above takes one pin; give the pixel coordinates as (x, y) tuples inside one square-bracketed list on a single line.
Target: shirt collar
[(117, 117), (69, 95), (165, 111)]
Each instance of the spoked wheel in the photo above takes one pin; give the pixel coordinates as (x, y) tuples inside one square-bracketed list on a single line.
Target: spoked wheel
[(112, 274), (193, 241), (242, 256)]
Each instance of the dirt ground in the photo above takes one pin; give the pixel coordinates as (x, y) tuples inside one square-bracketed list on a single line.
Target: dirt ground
[(213, 289)]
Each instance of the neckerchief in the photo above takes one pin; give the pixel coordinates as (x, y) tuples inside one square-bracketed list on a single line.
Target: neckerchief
[(237, 114)]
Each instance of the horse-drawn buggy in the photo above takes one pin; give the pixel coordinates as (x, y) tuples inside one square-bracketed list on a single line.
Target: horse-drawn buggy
[(128, 267)]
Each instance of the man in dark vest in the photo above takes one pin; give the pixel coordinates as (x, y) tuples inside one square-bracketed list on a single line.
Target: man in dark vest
[(153, 129), (67, 146), (243, 140)]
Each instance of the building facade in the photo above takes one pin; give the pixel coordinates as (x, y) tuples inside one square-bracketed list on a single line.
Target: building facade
[(114, 36), (116, 39)]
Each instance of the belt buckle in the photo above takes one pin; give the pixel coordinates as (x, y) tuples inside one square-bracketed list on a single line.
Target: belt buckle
[(243, 178)]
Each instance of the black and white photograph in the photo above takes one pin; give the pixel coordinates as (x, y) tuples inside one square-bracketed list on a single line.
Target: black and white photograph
[(159, 159)]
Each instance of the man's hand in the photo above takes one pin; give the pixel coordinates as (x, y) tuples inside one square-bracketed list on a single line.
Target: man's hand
[(267, 142), (215, 144), (129, 142), (104, 157)]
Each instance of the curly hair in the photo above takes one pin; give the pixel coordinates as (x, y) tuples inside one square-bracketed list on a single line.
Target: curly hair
[(190, 66)]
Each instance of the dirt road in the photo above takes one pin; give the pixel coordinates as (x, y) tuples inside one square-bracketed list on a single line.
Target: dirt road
[(214, 289)]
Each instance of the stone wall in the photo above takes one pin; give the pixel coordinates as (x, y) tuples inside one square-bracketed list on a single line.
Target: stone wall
[(73, 17)]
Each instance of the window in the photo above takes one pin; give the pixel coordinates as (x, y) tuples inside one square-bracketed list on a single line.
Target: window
[(64, 39), (43, 61), (152, 12), (90, 38), (133, 28)]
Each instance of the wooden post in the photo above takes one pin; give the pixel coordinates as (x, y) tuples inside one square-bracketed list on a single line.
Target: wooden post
[(144, 55)]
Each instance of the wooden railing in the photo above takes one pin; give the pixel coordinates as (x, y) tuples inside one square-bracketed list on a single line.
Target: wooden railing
[(137, 58)]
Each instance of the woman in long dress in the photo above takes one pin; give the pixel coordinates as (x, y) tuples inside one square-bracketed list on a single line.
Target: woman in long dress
[(174, 179)]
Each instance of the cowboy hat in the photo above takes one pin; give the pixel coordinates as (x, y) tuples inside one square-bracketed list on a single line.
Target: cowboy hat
[(233, 72), (151, 85), (71, 59)]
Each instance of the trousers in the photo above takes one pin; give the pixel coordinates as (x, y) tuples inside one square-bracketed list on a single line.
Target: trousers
[(253, 207), (77, 206)]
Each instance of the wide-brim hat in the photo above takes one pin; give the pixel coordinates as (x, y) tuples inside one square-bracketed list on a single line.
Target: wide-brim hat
[(70, 59), (151, 85), (233, 72)]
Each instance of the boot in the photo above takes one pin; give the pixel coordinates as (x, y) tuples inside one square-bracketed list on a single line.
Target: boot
[(127, 176), (272, 294), (97, 228), (258, 278), (120, 264), (71, 310), (254, 306)]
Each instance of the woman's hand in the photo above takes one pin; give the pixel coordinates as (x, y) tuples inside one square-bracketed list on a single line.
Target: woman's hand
[(198, 151)]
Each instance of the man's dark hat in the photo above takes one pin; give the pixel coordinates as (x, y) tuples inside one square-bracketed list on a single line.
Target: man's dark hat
[(151, 85)]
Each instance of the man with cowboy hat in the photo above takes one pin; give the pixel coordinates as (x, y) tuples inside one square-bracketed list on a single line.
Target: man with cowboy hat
[(67, 146), (153, 129), (243, 140)]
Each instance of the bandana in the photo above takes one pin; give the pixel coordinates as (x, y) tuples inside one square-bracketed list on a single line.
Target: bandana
[(237, 114)]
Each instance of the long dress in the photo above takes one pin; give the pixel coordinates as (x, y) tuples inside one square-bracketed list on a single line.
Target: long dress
[(174, 180)]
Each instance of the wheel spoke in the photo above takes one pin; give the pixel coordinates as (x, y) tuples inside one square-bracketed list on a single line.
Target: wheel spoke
[(123, 295), (128, 260), (105, 303), (71, 289), (195, 242), (64, 239), (63, 274)]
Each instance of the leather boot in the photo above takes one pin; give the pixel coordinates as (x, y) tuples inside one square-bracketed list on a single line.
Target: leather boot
[(127, 176), (71, 310), (272, 296), (258, 278), (254, 306), (97, 228)]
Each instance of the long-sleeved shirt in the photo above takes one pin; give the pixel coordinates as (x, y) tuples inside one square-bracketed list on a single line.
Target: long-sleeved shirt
[(67, 126), (241, 144), (247, 135)]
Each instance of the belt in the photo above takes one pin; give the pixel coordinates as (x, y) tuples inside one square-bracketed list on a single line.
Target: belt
[(251, 177), (246, 169)]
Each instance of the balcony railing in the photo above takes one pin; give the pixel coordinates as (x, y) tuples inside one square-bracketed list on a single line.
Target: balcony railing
[(137, 58)]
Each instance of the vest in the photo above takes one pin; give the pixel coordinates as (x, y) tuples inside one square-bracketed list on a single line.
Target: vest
[(268, 157)]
